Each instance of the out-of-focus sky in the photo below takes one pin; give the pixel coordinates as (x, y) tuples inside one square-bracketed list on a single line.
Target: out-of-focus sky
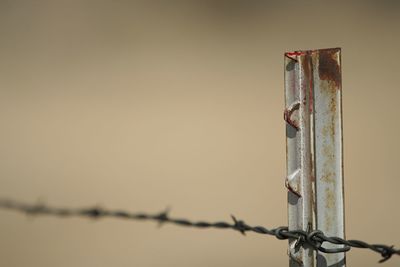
[(139, 105)]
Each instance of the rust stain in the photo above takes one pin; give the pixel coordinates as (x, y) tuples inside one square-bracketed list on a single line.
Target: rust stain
[(309, 74), (329, 178), (329, 68), (328, 151), (330, 204), (328, 222), (332, 107), (328, 131), (333, 104)]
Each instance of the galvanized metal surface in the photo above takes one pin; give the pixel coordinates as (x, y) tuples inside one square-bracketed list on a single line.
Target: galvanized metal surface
[(298, 146), (314, 150)]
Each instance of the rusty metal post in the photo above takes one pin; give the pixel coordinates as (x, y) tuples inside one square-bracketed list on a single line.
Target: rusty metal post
[(314, 151), (298, 146)]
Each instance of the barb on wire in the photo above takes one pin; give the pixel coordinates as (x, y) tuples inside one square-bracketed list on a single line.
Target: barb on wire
[(311, 238)]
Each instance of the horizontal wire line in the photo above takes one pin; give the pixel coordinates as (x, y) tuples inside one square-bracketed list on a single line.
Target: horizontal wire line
[(311, 239)]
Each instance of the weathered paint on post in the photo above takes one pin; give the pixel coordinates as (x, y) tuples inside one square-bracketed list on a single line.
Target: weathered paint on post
[(314, 150)]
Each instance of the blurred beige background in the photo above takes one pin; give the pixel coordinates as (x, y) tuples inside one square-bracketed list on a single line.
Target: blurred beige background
[(144, 104)]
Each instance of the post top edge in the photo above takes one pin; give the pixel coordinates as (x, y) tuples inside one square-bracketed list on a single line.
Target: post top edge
[(303, 52)]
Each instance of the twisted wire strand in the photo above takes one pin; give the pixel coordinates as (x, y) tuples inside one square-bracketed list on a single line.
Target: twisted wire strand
[(310, 238)]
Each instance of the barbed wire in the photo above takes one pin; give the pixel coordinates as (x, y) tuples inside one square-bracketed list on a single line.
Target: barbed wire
[(310, 238)]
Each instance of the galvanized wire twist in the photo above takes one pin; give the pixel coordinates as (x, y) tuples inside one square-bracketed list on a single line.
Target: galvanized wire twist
[(310, 238)]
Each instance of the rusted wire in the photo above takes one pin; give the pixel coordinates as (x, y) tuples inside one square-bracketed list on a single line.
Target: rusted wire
[(310, 238)]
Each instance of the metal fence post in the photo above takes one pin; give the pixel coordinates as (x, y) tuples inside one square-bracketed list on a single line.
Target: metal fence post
[(313, 116)]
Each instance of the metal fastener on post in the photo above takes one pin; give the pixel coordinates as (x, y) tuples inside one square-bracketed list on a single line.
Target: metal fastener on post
[(314, 151)]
